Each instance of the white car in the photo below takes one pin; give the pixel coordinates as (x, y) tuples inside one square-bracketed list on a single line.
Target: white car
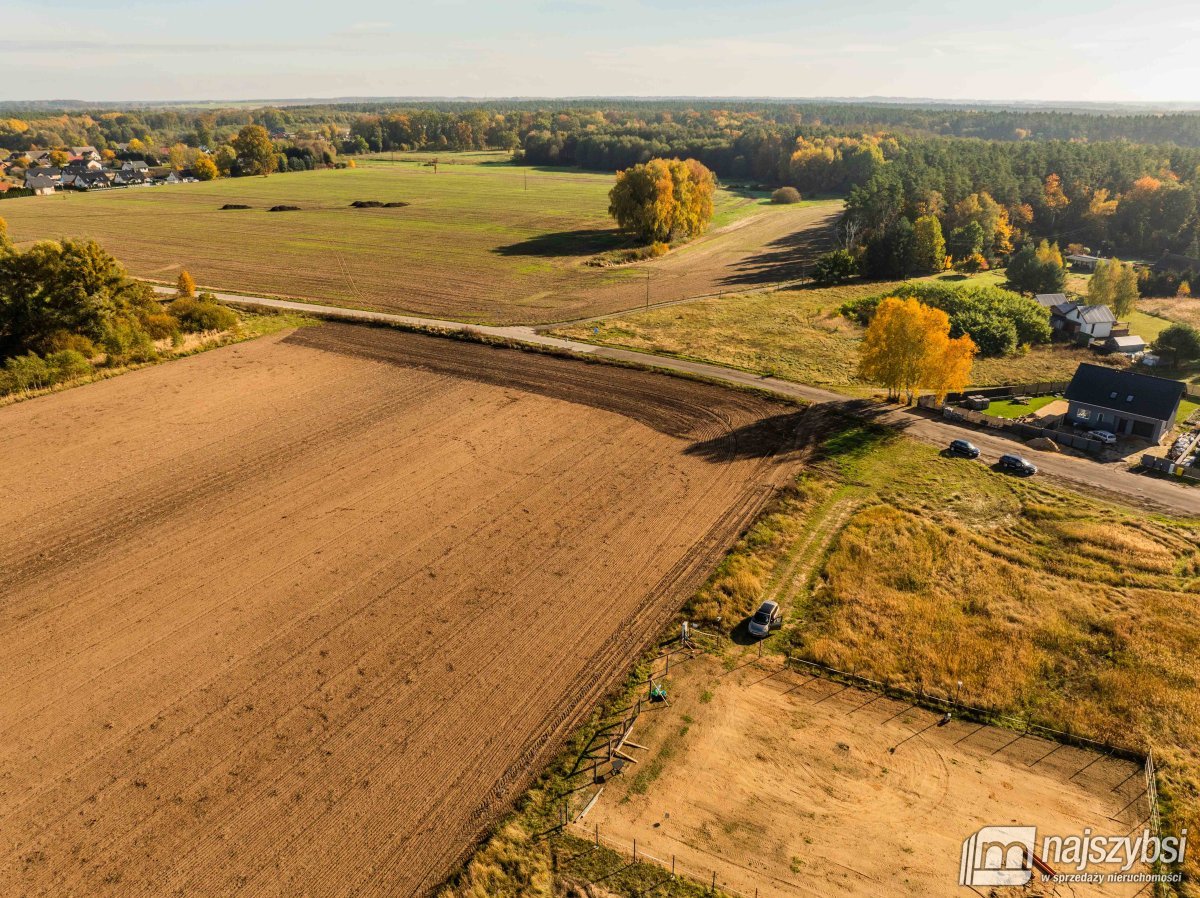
[(1104, 436)]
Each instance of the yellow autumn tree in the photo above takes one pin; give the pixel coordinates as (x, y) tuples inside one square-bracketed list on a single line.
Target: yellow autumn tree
[(907, 347), (663, 199), (1052, 193), (185, 286)]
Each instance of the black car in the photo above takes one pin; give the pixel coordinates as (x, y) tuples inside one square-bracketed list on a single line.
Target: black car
[(963, 448), (1017, 465)]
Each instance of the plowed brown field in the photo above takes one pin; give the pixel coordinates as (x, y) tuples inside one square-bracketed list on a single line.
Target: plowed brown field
[(303, 615)]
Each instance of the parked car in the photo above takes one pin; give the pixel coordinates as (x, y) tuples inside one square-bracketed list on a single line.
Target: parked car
[(1104, 436), (964, 448), (768, 617), (1017, 465)]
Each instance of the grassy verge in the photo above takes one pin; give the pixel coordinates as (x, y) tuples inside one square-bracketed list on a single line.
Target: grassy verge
[(250, 326)]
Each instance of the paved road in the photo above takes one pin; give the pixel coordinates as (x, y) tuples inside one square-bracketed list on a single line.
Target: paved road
[(1087, 476)]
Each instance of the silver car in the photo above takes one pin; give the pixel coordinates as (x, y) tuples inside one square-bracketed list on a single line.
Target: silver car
[(768, 617)]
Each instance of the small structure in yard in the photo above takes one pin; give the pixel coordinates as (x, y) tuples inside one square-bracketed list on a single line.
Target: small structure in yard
[(1123, 402), (1126, 345), (1083, 262), (1083, 323)]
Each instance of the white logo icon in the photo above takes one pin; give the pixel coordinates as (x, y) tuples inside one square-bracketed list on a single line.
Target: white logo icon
[(998, 856)]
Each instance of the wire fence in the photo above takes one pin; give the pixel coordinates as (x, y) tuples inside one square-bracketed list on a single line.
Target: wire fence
[(609, 740), (673, 867)]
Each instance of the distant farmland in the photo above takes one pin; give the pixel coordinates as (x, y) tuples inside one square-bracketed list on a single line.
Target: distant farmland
[(488, 241)]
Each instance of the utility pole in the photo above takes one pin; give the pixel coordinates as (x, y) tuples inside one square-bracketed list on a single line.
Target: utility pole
[(647, 288), (527, 180)]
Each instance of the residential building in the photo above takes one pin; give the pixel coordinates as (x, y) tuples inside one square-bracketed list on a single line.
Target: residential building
[(1122, 402), (1083, 323)]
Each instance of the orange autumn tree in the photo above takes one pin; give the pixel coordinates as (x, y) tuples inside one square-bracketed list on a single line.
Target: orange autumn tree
[(908, 347)]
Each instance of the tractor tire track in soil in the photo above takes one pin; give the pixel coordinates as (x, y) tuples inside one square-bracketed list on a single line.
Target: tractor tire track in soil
[(306, 614)]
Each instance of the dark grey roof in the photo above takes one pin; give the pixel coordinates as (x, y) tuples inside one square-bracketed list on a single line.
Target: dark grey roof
[(1097, 314), (1050, 300), (1110, 388)]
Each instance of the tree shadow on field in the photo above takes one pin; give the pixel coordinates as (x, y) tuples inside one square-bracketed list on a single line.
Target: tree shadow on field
[(786, 258), (777, 435), (583, 242)]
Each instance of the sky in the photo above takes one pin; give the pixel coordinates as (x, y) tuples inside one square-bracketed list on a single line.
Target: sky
[(102, 50)]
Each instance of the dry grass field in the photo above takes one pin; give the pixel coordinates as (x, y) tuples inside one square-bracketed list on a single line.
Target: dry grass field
[(923, 571), (301, 616), (485, 241), (794, 334), (790, 786)]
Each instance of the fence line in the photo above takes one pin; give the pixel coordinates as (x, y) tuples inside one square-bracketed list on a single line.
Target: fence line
[(676, 867)]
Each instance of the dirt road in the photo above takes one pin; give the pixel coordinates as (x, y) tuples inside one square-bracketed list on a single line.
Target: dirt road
[(302, 616), (1078, 473)]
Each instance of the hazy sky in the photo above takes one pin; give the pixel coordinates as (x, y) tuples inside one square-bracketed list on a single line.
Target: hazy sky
[(220, 49)]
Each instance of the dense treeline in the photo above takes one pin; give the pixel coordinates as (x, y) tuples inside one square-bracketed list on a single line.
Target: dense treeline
[(121, 123)]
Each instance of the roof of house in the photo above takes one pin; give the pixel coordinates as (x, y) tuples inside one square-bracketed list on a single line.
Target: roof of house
[(37, 182), (1050, 300), (1083, 257), (1111, 388), (1097, 314), (1130, 341)]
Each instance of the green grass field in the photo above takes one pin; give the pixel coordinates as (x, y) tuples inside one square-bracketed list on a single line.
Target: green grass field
[(1007, 409), (482, 240)]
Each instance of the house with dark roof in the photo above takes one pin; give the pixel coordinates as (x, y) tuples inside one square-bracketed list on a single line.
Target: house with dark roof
[(1083, 323), (40, 185), (48, 173), (134, 165), (1122, 402)]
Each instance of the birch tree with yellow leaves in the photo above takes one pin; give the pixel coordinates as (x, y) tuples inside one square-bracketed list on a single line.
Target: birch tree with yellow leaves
[(907, 347)]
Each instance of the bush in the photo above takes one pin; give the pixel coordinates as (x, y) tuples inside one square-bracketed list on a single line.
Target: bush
[(161, 326), (126, 342), (658, 248), (60, 340), (785, 196), (835, 267), (28, 372), (203, 313), (68, 364)]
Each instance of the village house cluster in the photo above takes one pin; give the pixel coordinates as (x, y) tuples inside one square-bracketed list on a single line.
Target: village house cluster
[(85, 169)]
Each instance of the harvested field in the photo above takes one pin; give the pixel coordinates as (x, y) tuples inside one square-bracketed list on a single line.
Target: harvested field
[(492, 243), (786, 785), (305, 614)]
